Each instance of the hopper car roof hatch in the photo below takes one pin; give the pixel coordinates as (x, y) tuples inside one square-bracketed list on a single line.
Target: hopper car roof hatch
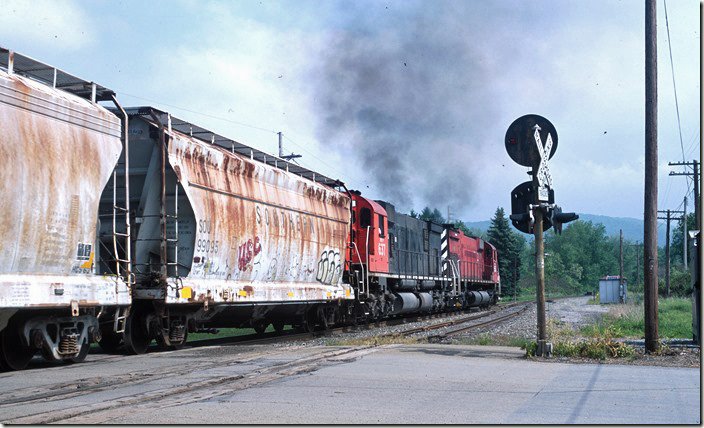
[(208, 136), (15, 63)]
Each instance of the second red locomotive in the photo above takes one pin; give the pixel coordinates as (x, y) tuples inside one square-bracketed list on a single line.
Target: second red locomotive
[(400, 264)]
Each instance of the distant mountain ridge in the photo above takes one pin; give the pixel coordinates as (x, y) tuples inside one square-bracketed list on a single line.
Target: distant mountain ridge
[(632, 227)]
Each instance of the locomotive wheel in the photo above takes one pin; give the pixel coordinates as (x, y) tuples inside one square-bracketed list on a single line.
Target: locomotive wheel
[(137, 337), (14, 355), (110, 341), (260, 326), (278, 326)]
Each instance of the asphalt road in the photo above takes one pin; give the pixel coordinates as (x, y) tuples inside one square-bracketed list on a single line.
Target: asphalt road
[(393, 384)]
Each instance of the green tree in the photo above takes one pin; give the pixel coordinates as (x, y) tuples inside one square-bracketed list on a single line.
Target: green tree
[(432, 215), (509, 245), (585, 254)]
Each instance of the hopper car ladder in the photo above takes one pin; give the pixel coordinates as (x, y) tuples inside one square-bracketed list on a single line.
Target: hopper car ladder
[(173, 240), (123, 265)]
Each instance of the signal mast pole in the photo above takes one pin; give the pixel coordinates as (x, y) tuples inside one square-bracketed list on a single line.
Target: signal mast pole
[(540, 279)]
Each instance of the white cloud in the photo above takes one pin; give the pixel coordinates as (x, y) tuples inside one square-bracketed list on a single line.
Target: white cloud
[(59, 25)]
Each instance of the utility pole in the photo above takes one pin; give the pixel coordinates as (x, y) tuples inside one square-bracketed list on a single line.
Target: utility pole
[(281, 149), (620, 272), (667, 246), (637, 245), (650, 213), (697, 211), (667, 255), (684, 235)]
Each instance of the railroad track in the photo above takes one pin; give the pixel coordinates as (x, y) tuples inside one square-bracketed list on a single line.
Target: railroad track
[(472, 315), (468, 323), (176, 385), (461, 329), (290, 335)]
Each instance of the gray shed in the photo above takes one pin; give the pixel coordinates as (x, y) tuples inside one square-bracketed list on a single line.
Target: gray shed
[(610, 290)]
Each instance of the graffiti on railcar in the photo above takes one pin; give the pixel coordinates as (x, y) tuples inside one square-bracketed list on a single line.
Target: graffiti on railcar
[(247, 252), (329, 267)]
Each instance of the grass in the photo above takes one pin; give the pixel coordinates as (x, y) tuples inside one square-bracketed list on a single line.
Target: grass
[(227, 332), (627, 321), (506, 299)]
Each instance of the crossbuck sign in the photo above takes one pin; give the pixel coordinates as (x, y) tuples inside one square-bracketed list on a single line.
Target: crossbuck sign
[(543, 176), (524, 144)]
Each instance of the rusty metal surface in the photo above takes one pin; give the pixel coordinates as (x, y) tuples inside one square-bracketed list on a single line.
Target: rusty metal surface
[(262, 234), (58, 151)]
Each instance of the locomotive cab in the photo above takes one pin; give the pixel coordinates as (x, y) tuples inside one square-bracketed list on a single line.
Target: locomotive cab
[(369, 236)]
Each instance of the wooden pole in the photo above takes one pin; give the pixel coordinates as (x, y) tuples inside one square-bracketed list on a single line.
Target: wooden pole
[(684, 235), (667, 255), (540, 277), (620, 271), (650, 213)]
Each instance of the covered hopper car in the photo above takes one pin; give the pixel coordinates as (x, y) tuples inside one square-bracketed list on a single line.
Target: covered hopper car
[(59, 148), (226, 236)]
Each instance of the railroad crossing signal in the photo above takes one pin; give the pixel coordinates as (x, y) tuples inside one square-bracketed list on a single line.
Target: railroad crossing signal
[(533, 208)]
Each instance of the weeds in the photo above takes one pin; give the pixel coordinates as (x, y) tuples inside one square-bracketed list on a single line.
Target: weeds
[(375, 341), (600, 346)]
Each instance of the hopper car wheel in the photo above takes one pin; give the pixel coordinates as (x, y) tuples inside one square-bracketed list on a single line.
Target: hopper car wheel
[(278, 326), (137, 337), (82, 354), (14, 355), (48, 355), (322, 319), (173, 345), (110, 341)]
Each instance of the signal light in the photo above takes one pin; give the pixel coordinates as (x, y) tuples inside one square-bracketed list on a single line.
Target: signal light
[(559, 218)]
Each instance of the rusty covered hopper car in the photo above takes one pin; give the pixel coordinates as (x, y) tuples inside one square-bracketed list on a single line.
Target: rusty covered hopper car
[(227, 236), (58, 147)]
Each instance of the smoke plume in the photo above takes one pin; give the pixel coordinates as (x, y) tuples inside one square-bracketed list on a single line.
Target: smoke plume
[(408, 95)]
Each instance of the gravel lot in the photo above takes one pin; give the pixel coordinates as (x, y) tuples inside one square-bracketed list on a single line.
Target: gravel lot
[(563, 314)]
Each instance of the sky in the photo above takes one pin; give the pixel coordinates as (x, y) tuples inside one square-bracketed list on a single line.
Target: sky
[(407, 101)]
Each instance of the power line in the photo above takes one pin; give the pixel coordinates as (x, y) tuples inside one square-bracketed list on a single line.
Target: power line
[(201, 113), (672, 67)]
